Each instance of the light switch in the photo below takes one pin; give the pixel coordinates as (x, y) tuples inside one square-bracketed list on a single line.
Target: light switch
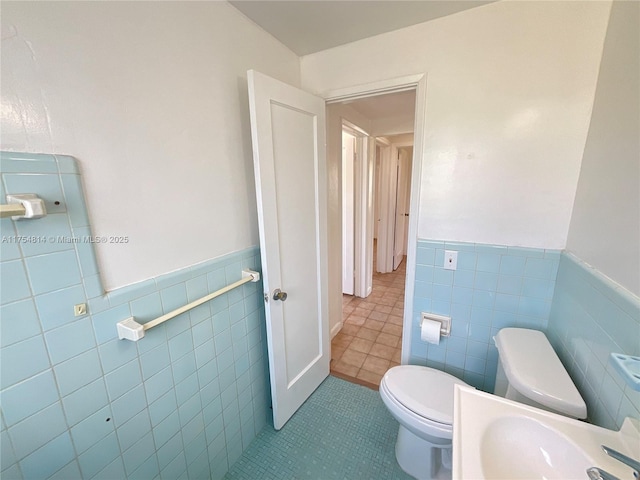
[(450, 260)]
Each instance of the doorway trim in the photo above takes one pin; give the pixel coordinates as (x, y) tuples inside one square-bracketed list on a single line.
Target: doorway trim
[(419, 84)]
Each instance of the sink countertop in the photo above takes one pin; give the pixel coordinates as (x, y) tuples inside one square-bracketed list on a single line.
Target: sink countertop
[(498, 438)]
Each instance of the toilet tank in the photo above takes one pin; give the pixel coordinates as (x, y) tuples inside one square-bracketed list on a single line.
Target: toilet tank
[(530, 372)]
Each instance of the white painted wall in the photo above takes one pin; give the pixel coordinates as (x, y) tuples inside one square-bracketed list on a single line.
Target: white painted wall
[(605, 226), (151, 98), (510, 90), (335, 113)]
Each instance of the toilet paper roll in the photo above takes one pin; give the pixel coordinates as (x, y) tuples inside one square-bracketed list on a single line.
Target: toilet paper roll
[(430, 331)]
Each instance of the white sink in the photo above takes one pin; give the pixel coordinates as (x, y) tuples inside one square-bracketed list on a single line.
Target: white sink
[(495, 438)]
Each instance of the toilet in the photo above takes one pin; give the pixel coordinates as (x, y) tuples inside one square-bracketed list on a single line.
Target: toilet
[(421, 398)]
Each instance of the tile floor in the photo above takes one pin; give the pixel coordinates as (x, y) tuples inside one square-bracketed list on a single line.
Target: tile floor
[(371, 339), (342, 431)]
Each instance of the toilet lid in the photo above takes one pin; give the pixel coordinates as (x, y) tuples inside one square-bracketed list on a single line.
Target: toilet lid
[(425, 391)]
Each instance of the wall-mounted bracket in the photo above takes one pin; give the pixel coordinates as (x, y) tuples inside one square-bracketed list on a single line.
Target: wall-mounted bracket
[(24, 205)]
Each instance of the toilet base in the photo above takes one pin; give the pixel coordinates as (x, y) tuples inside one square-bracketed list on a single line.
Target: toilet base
[(420, 458)]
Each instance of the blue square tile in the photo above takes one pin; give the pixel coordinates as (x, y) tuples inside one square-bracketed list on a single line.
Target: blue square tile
[(128, 405), (481, 316), (19, 162), (99, 456), (67, 164), (197, 288), (189, 409), (140, 461), (134, 429), (38, 429), (155, 360), (464, 278), (53, 271), (512, 265), (483, 298), (467, 260), (222, 339), (425, 256), (167, 429), (146, 308), (205, 353), (50, 458), (116, 353), (455, 359), (202, 332), (538, 288), (187, 388), (123, 379), (85, 251), (539, 268), (180, 345), (14, 282), (221, 321), (71, 471), (442, 293), (28, 397), (173, 297), (74, 197), (509, 284), (19, 322), (157, 385), (7, 456), (23, 360), (85, 401), (479, 333), (78, 372), (104, 323), (56, 308), (9, 248), (506, 303), (486, 281), (424, 273), (442, 276), (462, 295), (92, 429), (58, 235), (93, 286), (183, 367), (70, 340), (47, 187), (488, 262), (236, 312), (162, 408), (114, 470)]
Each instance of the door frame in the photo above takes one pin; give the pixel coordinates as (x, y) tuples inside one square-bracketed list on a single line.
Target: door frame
[(419, 84)]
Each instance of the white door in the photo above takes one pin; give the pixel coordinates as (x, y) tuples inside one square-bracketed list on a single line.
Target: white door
[(402, 207), (288, 134), (348, 213)]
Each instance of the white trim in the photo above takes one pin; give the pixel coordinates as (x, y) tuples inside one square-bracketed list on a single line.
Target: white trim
[(336, 329), (381, 87), (419, 83)]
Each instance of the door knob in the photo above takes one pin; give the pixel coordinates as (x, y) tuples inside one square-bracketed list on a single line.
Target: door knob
[(279, 295)]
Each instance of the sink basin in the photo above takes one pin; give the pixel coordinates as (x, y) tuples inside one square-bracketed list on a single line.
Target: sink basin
[(523, 446), (495, 438)]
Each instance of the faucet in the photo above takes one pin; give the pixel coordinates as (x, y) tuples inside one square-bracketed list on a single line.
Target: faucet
[(596, 473)]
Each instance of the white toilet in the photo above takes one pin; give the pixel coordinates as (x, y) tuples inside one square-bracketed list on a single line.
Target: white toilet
[(421, 398)]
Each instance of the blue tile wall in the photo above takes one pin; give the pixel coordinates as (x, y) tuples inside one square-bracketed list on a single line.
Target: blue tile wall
[(592, 317), (493, 287), (184, 401)]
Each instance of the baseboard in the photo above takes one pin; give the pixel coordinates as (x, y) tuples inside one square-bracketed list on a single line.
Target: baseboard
[(336, 328)]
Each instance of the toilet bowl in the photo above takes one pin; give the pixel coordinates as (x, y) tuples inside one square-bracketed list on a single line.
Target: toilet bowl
[(421, 398)]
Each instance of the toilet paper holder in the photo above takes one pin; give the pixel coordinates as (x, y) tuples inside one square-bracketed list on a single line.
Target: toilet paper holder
[(445, 322)]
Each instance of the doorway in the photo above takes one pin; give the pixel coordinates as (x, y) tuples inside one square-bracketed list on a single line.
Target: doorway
[(369, 340)]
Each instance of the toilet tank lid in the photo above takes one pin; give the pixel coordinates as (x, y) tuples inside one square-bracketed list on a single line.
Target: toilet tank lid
[(533, 368)]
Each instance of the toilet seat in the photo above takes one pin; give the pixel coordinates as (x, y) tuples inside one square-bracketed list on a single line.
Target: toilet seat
[(421, 398)]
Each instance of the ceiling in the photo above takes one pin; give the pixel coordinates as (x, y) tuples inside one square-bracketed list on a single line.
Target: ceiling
[(309, 26), (391, 105)]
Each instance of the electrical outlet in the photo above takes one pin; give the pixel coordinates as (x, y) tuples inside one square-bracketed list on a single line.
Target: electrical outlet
[(80, 309), (450, 260)]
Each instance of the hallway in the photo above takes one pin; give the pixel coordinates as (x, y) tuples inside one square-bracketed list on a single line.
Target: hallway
[(370, 341)]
